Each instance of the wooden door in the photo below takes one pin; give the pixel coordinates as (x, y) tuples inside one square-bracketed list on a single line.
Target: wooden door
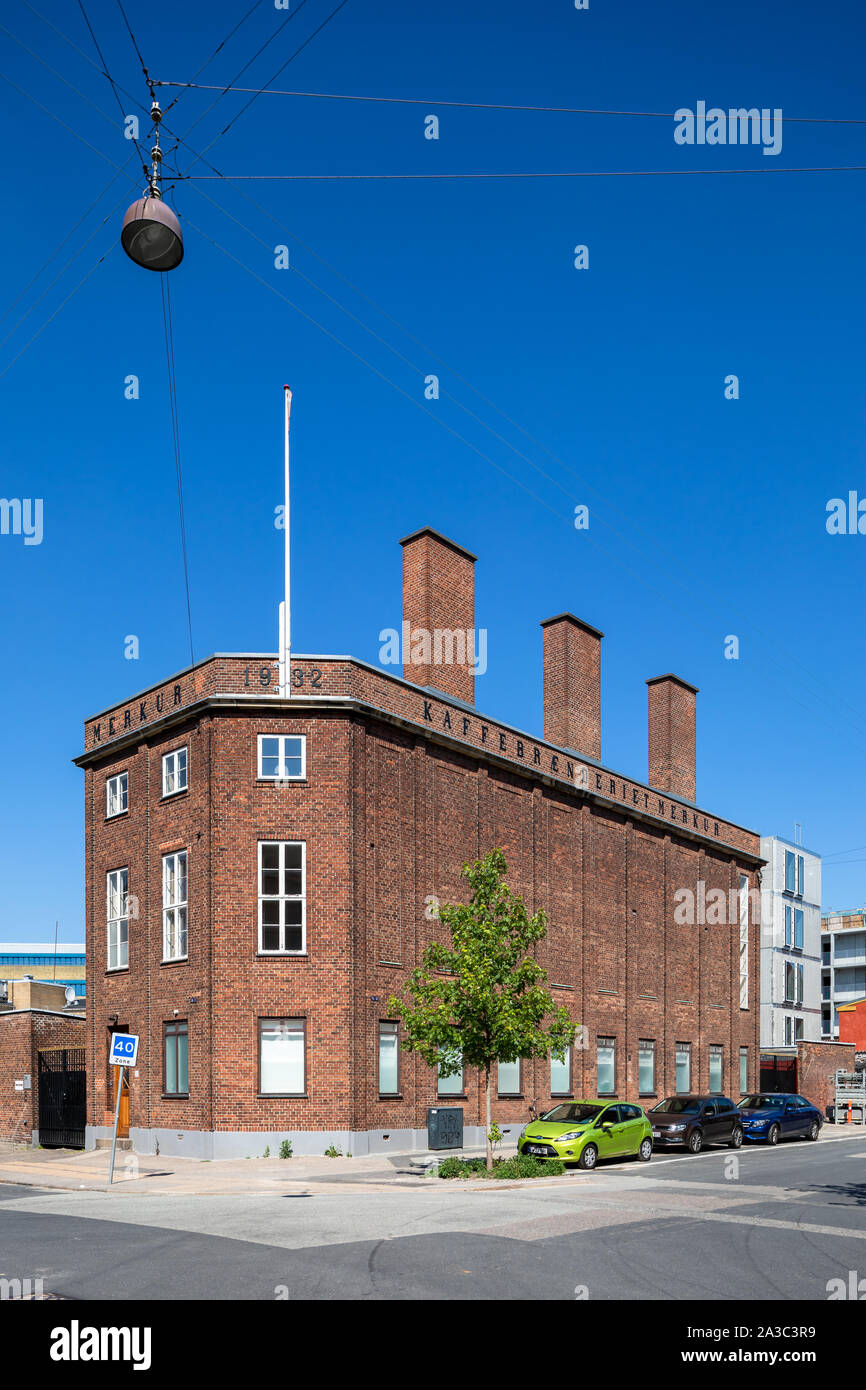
[(123, 1117)]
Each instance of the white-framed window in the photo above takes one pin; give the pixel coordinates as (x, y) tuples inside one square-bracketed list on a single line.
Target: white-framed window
[(117, 917), (790, 871), (174, 772), (789, 1036), (174, 906), (744, 941), (282, 897), (683, 1060), (801, 875), (716, 1068), (560, 1074), (789, 925), (508, 1078), (389, 1059), (282, 1056), (449, 1085), (646, 1066), (744, 1070), (282, 757), (117, 794), (606, 1065), (798, 928)]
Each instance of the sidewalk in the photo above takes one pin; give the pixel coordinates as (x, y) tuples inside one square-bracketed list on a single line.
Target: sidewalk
[(74, 1170), (88, 1171)]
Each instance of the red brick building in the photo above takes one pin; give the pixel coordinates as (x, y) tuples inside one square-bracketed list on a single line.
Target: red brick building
[(261, 870)]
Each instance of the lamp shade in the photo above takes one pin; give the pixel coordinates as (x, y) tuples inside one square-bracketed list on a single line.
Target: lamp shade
[(151, 235)]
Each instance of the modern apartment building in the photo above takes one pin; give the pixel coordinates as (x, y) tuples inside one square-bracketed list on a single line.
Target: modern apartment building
[(41, 960), (843, 964), (261, 868), (790, 943)]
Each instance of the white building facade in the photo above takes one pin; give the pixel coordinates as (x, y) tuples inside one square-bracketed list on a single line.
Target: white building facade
[(790, 944), (843, 964)]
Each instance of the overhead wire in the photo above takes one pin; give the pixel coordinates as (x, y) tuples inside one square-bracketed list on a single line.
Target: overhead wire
[(29, 6), (110, 79), (307, 41), (218, 49), (482, 105)]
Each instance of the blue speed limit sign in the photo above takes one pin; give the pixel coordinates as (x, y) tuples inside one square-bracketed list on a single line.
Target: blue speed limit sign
[(124, 1050)]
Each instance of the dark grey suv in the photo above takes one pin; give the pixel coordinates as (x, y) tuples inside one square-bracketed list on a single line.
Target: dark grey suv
[(690, 1122)]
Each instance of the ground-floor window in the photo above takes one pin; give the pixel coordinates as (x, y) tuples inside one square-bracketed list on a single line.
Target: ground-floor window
[(683, 1068), (744, 1070), (450, 1085), (282, 1056), (560, 1074), (508, 1078), (175, 1072), (606, 1062), (716, 1069), (646, 1067), (389, 1060)]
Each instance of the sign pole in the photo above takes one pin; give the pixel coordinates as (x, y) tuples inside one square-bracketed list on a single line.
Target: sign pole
[(120, 1071)]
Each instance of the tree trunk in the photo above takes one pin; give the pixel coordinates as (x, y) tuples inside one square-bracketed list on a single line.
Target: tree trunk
[(489, 1145)]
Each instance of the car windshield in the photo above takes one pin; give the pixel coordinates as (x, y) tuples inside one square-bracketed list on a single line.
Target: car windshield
[(572, 1114), (761, 1102), (678, 1105)]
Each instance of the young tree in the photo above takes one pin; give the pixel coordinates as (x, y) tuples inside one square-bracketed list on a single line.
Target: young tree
[(483, 999)]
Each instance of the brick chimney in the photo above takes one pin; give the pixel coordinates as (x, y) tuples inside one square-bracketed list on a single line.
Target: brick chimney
[(572, 684), (672, 726), (439, 638)]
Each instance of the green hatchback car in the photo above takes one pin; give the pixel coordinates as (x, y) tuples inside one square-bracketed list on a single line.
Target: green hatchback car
[(584, 1131)]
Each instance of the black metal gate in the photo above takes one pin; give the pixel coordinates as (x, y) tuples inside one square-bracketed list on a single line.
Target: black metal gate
[(778, 1074), (62, 1097)]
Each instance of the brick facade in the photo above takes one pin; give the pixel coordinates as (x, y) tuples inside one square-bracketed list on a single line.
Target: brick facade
[(402, 786), (22, 1033)]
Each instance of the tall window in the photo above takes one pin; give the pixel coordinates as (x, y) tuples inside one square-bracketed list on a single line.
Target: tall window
[(282, 1056), (789, 1030), (176, 1058), (798, 984), (560, 1074), (389, 1060), (790, 871), (117, 794), (450, 1085), (744, 1070), (117, 912), (789, 925), (798, 928), (282, 757), (684, 1068), (282, 897), (716, 1068), (174, 906), (508, 1078), (606, 1063), (174, 772), (744, 941), (801, 875), (646, 1067), (798, 1029)]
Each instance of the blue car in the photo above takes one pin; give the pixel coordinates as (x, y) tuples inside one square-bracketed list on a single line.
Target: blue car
[(769, 1118)]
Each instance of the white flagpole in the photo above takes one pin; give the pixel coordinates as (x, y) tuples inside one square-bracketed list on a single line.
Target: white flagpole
[(285, 606)]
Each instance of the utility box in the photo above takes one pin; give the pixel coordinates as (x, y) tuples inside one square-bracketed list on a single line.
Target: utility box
[(445, 1127)]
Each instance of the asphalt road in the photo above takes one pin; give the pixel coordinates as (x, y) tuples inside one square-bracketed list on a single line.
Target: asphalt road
[(760, 1225)]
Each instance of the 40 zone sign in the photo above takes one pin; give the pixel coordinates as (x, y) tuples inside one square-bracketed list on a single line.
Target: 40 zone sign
[(124, 1050)]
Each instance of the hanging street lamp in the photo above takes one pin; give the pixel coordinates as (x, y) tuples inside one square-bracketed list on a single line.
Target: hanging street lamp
[(151, 234)]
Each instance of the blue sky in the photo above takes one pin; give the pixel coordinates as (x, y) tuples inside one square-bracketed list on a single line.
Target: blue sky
[(707, 515)]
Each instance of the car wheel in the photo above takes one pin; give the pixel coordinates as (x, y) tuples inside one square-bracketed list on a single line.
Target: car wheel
[(736, 1139), (773, 1134), (696, 1141), (814, 1130), (645, 1152), (589, 1157)]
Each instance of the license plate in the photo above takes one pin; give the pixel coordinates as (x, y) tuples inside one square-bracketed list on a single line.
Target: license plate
[(535, 1149), (656, 1134)]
